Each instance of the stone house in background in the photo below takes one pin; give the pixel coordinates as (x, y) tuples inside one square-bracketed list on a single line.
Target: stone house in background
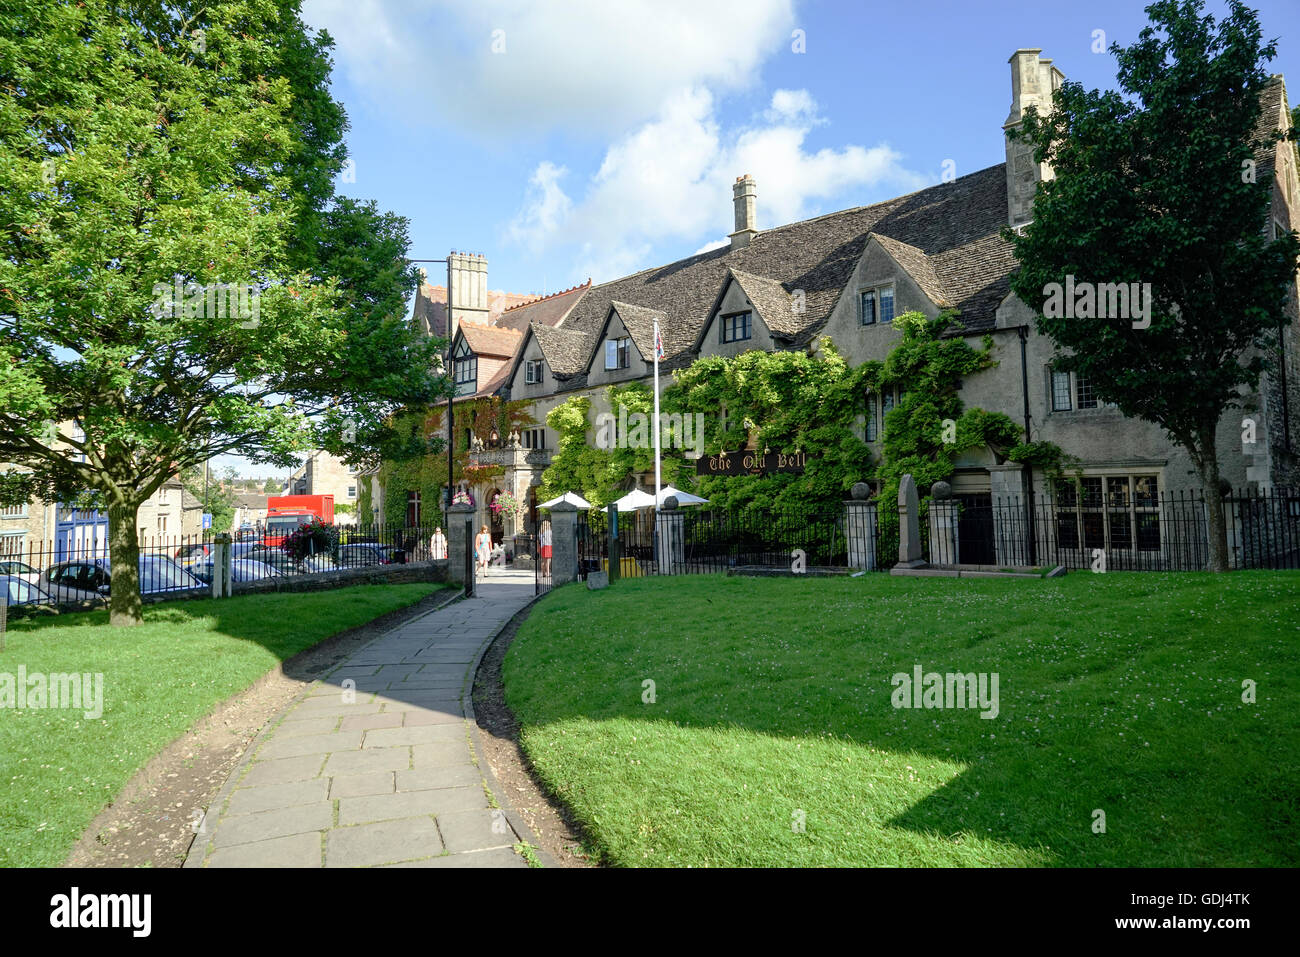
[(45, 532), (250, 509), (846, 275), (322, 473)]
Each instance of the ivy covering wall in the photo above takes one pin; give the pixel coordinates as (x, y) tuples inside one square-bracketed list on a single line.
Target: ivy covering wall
[(427, 474), (796, 402)]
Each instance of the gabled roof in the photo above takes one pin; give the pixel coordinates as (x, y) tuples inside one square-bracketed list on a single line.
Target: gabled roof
[(640, 324), (917, 265), (489, 340), (771, 300), (956, 226), (547, 310), (565, 350)]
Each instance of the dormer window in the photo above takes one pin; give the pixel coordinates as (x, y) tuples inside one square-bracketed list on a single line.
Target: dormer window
[(617, 353), (877, 305), (466, 365), (533, 371), (736, 327)]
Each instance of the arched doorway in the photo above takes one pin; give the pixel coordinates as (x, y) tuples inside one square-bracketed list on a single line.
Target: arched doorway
[(496, 516)]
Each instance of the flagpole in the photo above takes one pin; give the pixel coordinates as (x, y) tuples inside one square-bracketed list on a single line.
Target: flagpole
[(658, 480)]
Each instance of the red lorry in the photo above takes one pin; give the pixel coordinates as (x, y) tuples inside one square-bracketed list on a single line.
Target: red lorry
[(284, 513)]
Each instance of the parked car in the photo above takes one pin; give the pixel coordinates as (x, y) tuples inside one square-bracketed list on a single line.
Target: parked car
[(274, 557), (362, 554), (11, 566), (247, 533), (17, 590), (196, 554), (318, 563), (89, 579), (241, 570)]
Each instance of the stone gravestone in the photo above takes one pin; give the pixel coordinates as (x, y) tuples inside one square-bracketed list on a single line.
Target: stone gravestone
[(909, 523), (860, 527), (597, 580)]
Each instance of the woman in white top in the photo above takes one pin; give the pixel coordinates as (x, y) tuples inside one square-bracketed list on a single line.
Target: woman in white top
[(438, 544), (483, 549), (544, 548)]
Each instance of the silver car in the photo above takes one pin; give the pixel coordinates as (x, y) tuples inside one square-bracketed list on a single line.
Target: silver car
[(19, 591), (89, 579)]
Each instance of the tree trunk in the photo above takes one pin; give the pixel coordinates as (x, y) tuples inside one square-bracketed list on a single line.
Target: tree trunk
[(1207, 464), (124, 604)]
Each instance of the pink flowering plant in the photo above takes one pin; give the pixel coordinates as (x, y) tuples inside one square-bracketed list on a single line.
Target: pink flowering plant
[(506, 504), (314, 538)]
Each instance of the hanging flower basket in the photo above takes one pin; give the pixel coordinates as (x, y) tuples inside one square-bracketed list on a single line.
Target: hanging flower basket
[(506, 505)]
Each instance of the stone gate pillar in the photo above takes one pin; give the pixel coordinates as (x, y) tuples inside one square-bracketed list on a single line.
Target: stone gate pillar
[(459, 540), (860, 528), (670, 544), (943, 526), (564, 543)]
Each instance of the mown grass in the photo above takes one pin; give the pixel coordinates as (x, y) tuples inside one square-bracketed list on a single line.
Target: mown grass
[(58, 769), (772, 707)]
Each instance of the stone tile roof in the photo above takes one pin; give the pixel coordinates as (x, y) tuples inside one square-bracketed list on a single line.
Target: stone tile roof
[(564, 349), (955, 226), (490, 340), (640, 323), (772, 301), (547, 311), (917, 265)]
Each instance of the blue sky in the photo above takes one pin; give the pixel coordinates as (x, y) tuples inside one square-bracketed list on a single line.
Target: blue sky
[(569, 139), (602, 137)]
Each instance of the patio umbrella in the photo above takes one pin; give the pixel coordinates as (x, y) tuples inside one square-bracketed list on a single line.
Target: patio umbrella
[(683, 498), (573, 498), (634, 500)]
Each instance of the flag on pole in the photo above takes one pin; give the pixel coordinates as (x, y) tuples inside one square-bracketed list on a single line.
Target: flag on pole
[(659, 342)]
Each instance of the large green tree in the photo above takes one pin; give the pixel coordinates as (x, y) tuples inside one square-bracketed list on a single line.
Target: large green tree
[(154, 156), (1158, 183)]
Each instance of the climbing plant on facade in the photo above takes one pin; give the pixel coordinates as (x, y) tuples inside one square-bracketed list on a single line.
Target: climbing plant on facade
[(427, 474), (929, 426), (783, 402)]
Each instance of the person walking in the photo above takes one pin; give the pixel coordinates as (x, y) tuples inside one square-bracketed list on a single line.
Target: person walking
[(544, 546), (438, 544), (483, 549)]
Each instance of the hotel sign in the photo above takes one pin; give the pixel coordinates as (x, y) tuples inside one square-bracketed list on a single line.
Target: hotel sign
[(750, 463)]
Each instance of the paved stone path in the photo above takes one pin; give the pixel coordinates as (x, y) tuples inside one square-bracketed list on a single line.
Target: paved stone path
[(373, 765)]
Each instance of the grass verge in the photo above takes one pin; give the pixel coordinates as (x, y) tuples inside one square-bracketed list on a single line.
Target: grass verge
[(771, 738), (58, 768)]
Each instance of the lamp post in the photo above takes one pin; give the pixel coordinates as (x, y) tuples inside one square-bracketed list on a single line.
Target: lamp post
[(451, 411)]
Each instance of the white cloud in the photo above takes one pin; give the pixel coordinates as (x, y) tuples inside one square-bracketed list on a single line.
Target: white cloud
[(792, 105), (713, 244), (546, 209), (593, 65), (670, 180)]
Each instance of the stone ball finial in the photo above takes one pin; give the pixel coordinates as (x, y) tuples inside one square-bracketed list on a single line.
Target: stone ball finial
[(670, 503), (860, 492), (941, 490)]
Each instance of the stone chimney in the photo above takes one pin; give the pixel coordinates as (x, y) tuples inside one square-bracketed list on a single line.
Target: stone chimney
[(1033, 81), (468, 296), (743, 195)]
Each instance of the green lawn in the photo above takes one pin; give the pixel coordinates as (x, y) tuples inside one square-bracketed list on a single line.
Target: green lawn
[(58, 769), (1118, 692)]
